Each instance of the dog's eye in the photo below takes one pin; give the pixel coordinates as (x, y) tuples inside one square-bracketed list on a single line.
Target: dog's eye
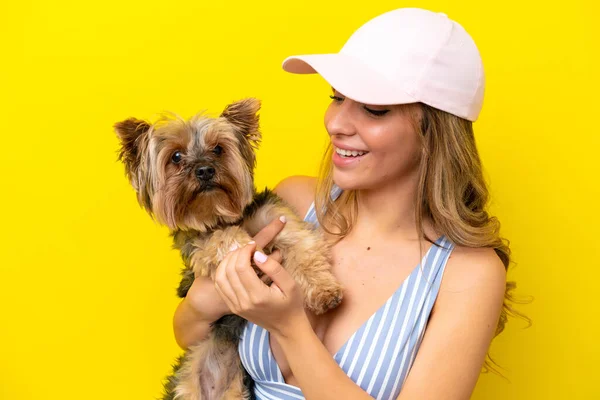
[(176, 157), (218, 150)]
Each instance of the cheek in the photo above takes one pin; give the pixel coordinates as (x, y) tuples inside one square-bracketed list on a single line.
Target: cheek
[(385, 144), (393, 152), (170, 169), (171, 179)]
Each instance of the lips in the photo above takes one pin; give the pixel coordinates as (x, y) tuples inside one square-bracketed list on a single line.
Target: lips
[(342, 161)]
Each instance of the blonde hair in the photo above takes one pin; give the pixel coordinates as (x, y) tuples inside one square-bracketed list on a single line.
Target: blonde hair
[(451, 192)]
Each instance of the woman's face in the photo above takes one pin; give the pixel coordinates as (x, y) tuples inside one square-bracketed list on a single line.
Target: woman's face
[(372, 145)]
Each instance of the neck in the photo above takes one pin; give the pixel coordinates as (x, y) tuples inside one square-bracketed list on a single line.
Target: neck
[(388, 211)]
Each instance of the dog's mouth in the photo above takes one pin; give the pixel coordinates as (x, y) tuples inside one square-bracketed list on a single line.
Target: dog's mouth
[(206, 187)]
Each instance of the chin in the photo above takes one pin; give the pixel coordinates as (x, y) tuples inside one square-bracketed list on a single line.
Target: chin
[(347, 180)]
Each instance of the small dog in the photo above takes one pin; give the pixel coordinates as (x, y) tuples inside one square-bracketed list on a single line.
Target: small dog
[(197, 178)]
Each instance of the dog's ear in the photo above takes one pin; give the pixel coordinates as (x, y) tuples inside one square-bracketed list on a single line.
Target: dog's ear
[(132, 134), (129, 132), (242, 115)]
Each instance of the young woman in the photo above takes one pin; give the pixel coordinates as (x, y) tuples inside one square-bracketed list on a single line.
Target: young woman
[(401, 183)]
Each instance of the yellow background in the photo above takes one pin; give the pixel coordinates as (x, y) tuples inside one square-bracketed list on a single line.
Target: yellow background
[(87, 280)]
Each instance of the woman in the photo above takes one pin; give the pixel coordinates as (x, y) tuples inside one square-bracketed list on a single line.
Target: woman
[(401, 182)]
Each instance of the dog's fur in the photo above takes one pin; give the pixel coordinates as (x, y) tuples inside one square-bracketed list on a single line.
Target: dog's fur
[(196, 177)]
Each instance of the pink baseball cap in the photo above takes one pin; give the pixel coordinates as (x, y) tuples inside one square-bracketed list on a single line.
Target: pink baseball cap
[(406, 55)]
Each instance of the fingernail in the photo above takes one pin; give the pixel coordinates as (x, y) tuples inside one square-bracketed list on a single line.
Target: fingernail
[(233, 247), (260, 257), (251, 242), (282, 219)]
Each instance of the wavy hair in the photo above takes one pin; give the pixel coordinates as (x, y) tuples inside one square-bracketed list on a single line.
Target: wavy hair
[(451, 192)]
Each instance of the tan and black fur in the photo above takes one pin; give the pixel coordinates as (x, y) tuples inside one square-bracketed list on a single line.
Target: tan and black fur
[(196, 177)]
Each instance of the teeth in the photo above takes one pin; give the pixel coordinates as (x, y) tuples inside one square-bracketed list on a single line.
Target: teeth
[(349, 153)]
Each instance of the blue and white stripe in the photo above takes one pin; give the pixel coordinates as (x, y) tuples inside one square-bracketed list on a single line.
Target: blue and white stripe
[(378, 356)]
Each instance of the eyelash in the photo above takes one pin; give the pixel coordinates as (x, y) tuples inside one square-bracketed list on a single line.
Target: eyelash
[(377, 113)]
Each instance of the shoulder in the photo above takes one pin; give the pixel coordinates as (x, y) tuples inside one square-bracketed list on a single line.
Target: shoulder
[(460, 328), (472, 272), (298, 191)]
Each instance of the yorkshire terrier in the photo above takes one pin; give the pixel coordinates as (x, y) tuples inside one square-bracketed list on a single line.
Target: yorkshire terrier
[(196, 177)]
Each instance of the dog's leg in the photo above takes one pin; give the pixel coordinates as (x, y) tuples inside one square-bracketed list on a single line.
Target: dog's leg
[(171, 381), (306, 255), (237, 390), (188, 376), (207, 255), (212, 369)]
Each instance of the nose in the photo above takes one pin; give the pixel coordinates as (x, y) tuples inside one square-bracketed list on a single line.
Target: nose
[(339, 118), (205, 173)]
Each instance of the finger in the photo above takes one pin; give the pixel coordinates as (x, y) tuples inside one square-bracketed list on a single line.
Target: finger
[(241, 263), (226, 300), (276, 255), (275, 271), (220, 271), (269, 232), (266, 279), (227, 295), (220, 268), (222, 282), (246, 273)]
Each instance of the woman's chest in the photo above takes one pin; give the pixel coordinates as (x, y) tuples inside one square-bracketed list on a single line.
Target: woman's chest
[(370, 280)]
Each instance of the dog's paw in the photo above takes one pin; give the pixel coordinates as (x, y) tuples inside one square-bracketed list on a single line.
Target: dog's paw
[(325, 297)]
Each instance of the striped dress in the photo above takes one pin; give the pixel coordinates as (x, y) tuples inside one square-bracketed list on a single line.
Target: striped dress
[(378, 356)]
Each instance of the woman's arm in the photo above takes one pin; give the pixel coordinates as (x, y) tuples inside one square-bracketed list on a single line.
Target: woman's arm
[(450, 356), (318, 375), (460, 328), (194, 314)]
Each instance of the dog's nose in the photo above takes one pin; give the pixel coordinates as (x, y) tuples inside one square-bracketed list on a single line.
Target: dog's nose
[(205, 173)]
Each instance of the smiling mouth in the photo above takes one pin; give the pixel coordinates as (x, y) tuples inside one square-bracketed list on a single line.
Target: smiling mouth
[(349, 153)]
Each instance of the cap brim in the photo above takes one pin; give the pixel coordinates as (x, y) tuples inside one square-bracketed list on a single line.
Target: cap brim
[(350, 77)]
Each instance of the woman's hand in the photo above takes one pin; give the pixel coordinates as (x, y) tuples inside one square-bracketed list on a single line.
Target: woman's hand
[(203, 299), (203, 305), (277, 308)]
